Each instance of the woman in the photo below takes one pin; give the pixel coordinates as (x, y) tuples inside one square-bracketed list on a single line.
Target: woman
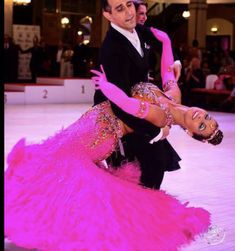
[(56, 198), (197, 122), (141, 11)]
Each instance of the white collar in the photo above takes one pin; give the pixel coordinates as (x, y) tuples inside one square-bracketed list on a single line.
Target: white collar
[(124, 32), (131, 36)]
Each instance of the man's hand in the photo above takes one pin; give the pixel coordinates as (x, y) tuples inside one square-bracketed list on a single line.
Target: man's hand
[(176, 67), (162, 135)]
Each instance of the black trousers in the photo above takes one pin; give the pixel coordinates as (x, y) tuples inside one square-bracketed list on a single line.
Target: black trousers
[(154, 159)]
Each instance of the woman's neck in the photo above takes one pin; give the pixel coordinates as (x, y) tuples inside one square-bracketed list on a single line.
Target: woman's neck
[(178, 112)]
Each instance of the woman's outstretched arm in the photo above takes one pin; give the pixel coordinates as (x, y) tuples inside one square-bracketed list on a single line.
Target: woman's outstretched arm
[(133, 106), (169, 82)]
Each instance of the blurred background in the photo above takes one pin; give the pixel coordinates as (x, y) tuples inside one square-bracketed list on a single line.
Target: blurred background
[(45, 37)]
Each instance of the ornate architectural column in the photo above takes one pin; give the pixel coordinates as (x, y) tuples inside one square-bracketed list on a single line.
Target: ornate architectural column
[(197, 22), (8, 16)]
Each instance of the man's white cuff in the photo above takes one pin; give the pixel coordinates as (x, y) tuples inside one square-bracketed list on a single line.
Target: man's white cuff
[(158, 137), (177, 62)]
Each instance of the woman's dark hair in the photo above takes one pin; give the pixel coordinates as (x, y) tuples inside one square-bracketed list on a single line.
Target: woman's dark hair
[(215, 138), (137, 3)]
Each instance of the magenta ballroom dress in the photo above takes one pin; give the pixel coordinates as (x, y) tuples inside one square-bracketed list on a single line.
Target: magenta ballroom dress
[(58, 199)]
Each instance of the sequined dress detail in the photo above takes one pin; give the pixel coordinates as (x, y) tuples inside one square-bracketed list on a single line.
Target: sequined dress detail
[(58, 199), (148, 92)]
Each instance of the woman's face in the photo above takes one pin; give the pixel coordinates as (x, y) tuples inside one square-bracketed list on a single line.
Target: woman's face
[(141, 14), (199, 121)]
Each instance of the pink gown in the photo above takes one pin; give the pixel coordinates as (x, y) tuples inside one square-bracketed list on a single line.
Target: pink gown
[(58, 199)]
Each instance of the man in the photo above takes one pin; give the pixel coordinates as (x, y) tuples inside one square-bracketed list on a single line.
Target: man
[(80, 57), (11, 58), (124, 56)]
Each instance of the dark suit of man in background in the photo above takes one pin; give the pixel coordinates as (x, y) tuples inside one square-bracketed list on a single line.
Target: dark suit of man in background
[(80, 57), (124, 56)]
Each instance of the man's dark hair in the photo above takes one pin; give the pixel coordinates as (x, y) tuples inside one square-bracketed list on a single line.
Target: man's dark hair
[(105, 5)]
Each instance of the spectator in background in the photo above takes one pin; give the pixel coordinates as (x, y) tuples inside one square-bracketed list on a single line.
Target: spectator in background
[(219, 83), (215, 64), (154, 53), (36, 58), (228, 60), (205, 68), (182, 80), (141, 11), (195, 51), (11, 60), (80, 57), (225, 61), (45, 69), (57, 59), (66, 63), (194, 78), (228, 104), (155, 49)]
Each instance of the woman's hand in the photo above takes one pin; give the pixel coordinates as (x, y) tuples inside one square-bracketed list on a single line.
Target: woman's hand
[(160, 35), (100, 79), (176, 68)]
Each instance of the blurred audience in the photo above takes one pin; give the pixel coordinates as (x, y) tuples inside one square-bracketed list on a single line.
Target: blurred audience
[(80, 57), (195, 51), (11, 60), (67, 69), (57, 68), (194, 79), (206, 68), (37, 57), (228, 104), (219, 83)]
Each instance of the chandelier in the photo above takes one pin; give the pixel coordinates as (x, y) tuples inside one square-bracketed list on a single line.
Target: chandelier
[(21, 2)]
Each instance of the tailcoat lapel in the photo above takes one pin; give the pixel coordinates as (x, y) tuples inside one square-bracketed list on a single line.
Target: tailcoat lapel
[(129, 48)]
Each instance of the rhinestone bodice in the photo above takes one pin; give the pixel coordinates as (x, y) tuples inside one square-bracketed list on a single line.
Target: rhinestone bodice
[(146, 92), (149, 92), (96, 132)]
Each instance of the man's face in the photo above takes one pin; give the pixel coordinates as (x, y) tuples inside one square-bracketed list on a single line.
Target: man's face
[(122, 13)]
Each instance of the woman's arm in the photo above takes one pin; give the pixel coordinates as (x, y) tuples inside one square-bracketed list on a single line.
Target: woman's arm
[(170, 85), (133, 106)]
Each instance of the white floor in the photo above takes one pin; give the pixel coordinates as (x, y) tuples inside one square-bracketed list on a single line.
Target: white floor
[(206, 179)]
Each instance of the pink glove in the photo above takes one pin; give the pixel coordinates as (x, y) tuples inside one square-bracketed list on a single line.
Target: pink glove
[(129, 105), (167, 56)]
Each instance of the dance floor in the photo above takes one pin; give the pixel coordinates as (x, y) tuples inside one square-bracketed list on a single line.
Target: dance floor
[(206, 178)]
